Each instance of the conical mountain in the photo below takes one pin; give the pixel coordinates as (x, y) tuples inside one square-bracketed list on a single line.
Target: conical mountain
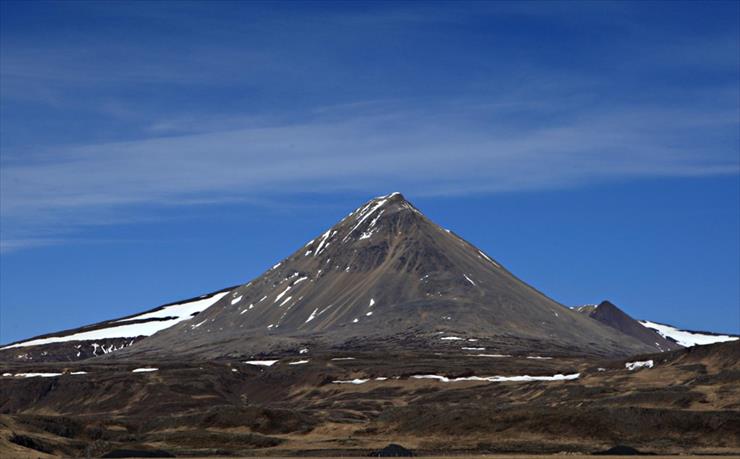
[(386, 275)]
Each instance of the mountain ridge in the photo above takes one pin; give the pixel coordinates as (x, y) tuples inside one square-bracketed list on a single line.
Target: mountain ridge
[(384, 275), (382, 272)]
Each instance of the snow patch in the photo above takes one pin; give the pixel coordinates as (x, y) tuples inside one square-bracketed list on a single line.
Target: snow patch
[(285, 301), (36, 375), (364, 214), (489, 259), (312, 316), (179, 313), (261, 363), (631, 366), (523, 378), (280, 295), (144, 370), (324, 237), (686, 338), (351, 381), (181, 310)]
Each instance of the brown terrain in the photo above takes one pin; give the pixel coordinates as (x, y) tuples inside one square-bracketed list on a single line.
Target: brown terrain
[(384, 329), (688, 402)]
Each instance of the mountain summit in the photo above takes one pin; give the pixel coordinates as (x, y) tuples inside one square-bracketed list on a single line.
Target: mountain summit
[(387, 275)]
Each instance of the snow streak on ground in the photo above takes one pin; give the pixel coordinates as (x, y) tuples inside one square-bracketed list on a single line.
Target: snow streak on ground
[(42, 375), (523, 378), (263, 363), (37, 375)]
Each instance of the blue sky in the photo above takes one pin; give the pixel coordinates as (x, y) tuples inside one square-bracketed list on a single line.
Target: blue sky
[(155, 151)]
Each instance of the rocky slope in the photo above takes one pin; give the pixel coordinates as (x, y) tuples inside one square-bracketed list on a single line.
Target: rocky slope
[(382, 275), (610, 315)]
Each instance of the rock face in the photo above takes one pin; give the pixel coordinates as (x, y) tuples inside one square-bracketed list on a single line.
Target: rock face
[(386, 275), (610, 315), (392, 450)]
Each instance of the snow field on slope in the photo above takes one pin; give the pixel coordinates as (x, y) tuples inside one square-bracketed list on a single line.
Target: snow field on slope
[(686, 338), (180, 312)]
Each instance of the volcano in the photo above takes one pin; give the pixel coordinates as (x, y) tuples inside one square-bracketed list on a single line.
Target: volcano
[(385, 328), (387, 276)]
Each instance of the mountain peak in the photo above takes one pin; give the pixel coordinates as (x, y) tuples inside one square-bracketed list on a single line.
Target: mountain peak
[(394, 195), (611, 315), (385, 272), (394, 200)]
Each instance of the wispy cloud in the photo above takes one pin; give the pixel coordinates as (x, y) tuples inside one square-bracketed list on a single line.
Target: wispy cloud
[(215, 105), (421, 153)]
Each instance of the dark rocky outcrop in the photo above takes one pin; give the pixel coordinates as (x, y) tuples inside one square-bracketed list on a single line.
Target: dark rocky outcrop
[(392, 450)]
